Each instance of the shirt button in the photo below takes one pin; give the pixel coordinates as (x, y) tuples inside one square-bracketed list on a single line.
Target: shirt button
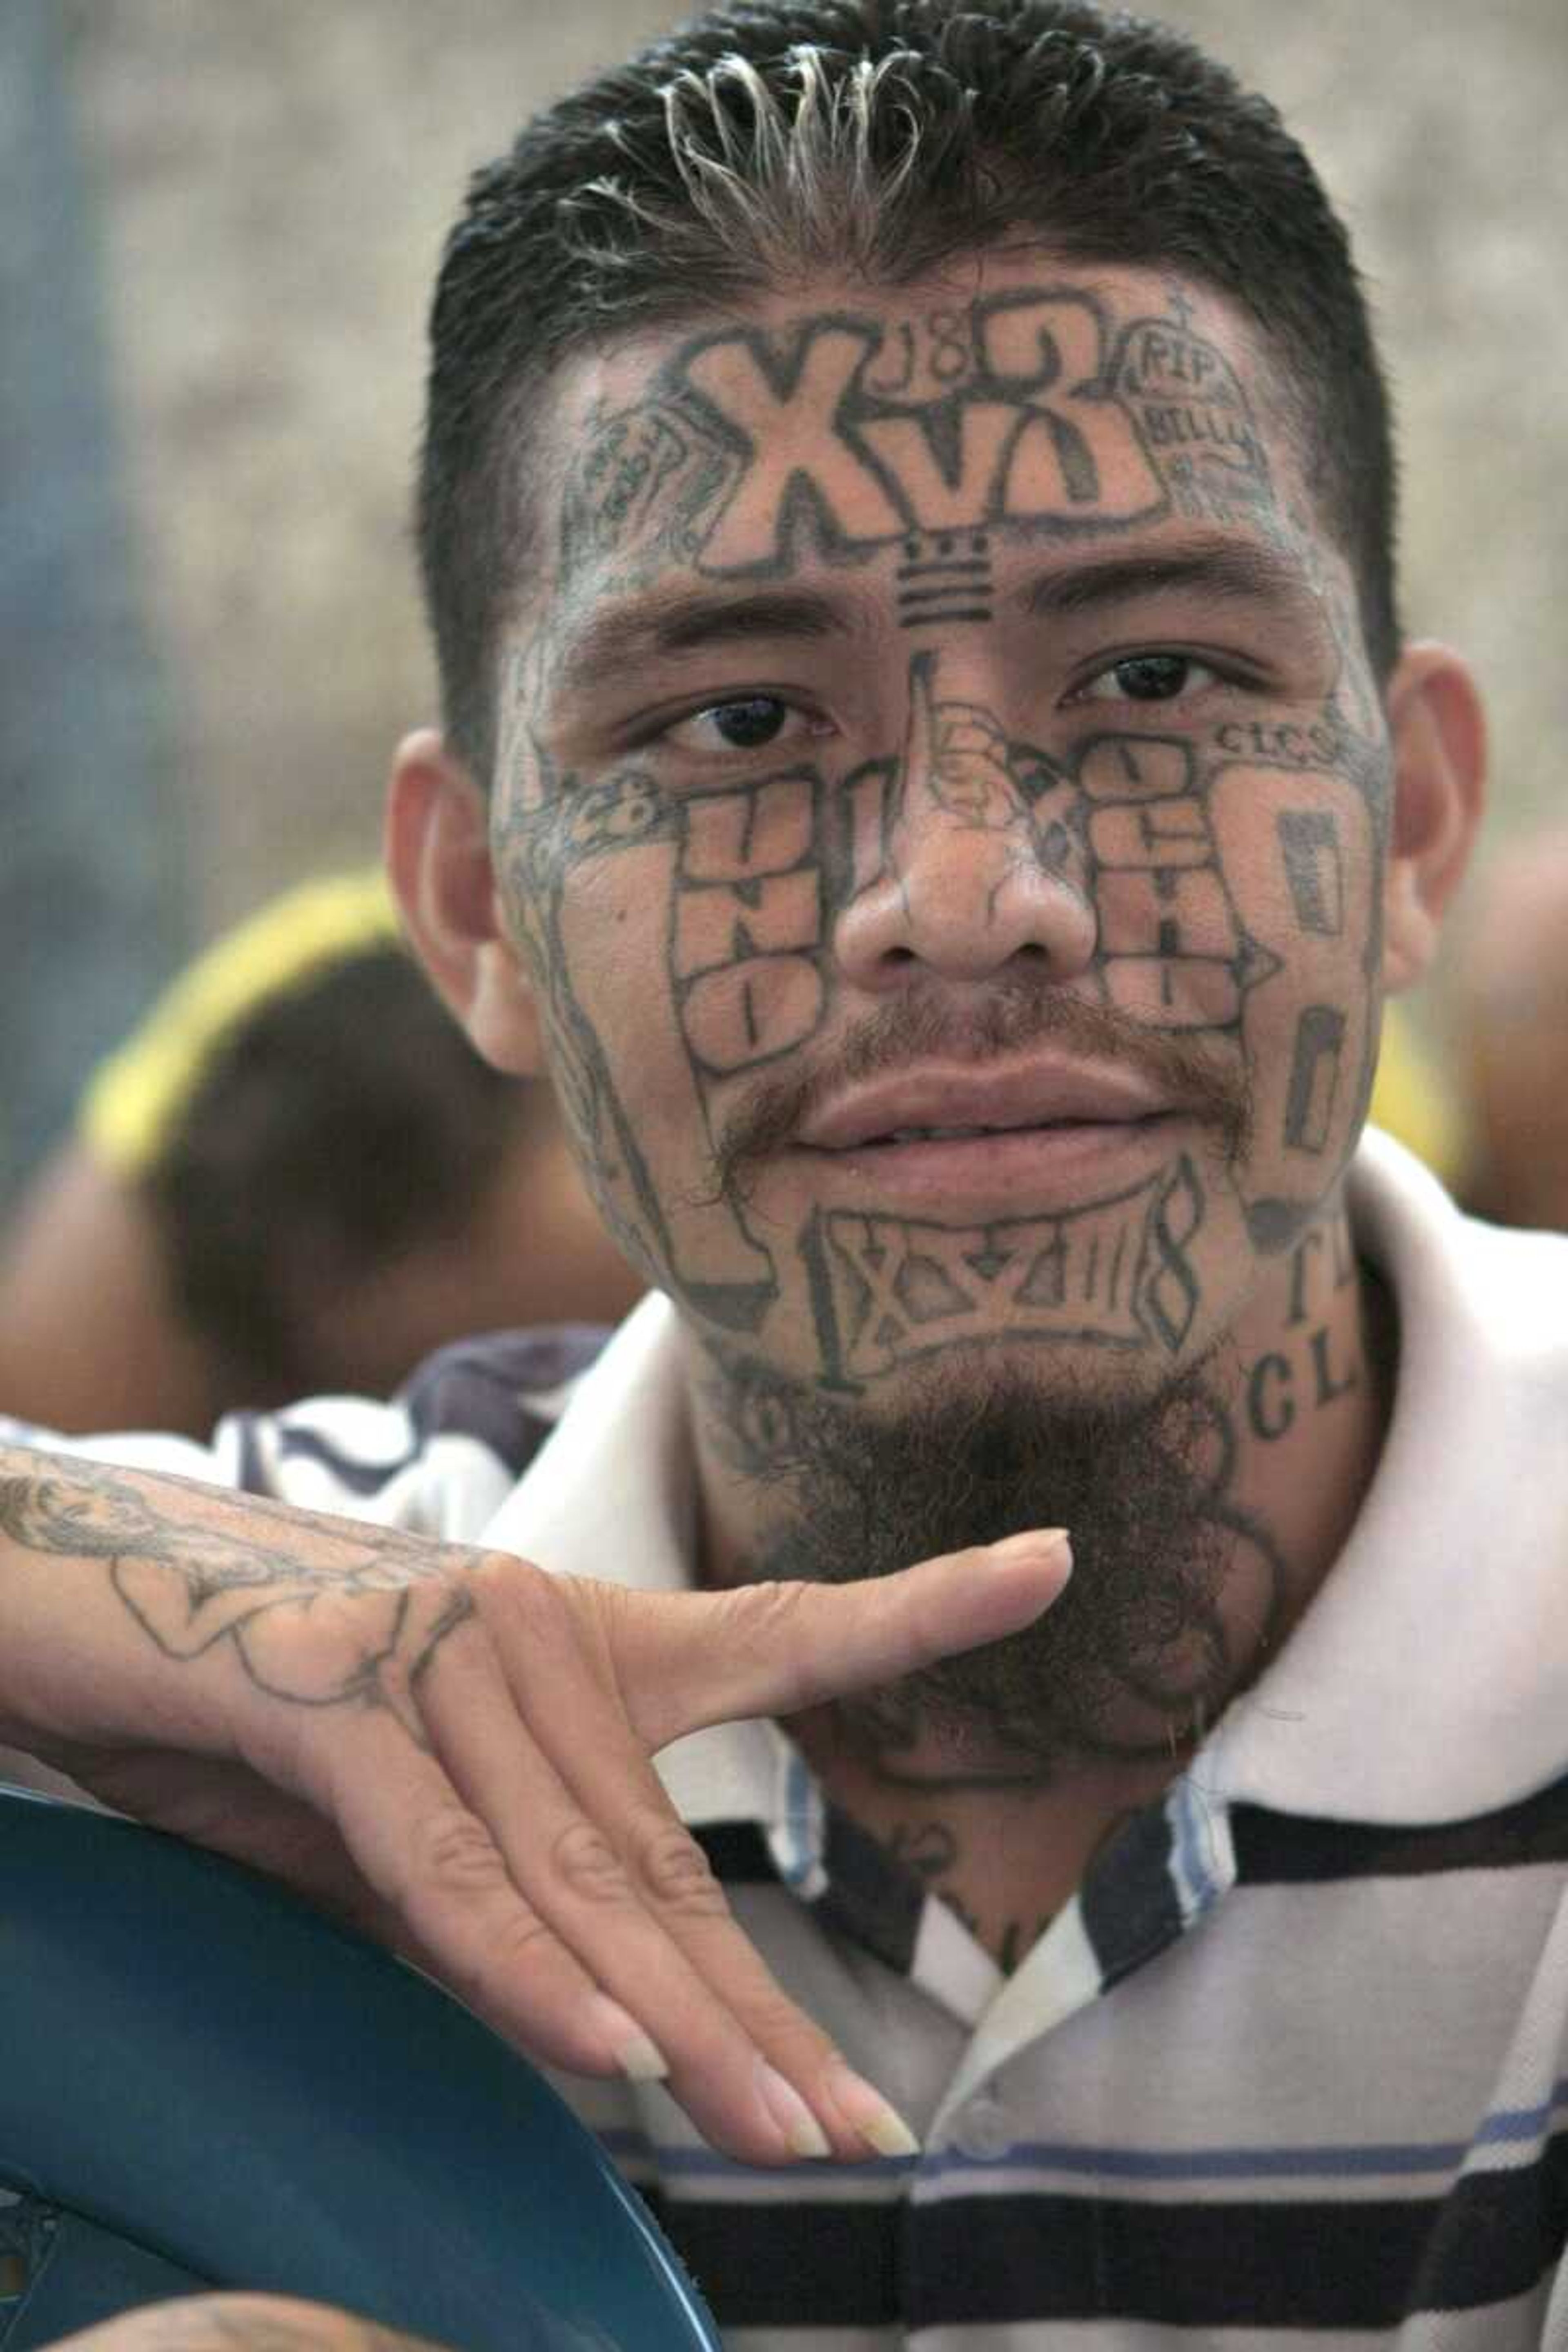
[(983, 2129)]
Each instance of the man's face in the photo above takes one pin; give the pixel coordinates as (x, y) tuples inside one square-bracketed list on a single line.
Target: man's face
[(941, 799)]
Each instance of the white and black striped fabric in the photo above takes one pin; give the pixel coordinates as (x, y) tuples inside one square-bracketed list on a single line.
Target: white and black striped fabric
[(1292, 2068)]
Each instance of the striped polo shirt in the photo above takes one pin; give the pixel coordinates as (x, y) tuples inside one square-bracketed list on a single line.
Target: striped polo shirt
[(1291, 2064)]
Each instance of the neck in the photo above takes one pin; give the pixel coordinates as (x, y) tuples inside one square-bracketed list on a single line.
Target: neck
[(1293, 1409)]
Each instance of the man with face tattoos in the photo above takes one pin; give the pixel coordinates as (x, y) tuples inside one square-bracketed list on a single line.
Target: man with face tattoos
[(931, 766)]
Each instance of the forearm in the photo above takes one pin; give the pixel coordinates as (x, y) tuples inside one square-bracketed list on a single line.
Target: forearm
[(141, 1606), (62, 1631)]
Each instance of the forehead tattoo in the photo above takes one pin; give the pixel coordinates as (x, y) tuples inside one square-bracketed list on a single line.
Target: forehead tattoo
[(1032, 410), (908, 449)]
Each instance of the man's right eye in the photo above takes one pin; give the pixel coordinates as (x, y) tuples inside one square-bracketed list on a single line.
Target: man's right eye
[(748, 723)]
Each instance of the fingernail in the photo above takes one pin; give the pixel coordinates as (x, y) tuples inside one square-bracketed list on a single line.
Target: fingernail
[(803, 2136), (866, 2111), (1039, 1543), (639, 2059)]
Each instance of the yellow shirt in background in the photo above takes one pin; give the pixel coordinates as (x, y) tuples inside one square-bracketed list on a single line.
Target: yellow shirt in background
[(1413, 1101), (134, 1097)]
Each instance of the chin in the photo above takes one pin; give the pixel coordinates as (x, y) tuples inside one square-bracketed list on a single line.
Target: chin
[(979, 1380)]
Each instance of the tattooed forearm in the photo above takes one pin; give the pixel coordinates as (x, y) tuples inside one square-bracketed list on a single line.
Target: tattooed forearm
[(92, 1510), (195, 1567)]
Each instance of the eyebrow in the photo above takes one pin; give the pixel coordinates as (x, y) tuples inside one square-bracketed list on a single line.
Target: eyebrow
[(654, 626), (1227, 569)]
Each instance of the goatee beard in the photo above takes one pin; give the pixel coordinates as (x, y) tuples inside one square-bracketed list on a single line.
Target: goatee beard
[(1132, 1661)]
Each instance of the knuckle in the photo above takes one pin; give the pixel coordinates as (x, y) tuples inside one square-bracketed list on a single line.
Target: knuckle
[(517, 1945), (776, 2025), (531, 1599), (453, 1852), (588, 1864), (519, 1939), (679, 1874)]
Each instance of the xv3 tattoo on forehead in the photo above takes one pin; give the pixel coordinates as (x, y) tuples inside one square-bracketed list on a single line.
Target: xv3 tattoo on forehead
[(1026, 410)]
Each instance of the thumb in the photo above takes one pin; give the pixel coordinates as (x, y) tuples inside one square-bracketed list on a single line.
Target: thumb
[(694, 1659)]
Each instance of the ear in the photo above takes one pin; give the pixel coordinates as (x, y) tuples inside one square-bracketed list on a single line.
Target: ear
[(438, 859), (1439, 732)]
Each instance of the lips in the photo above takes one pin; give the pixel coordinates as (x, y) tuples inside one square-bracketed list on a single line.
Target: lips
[(936, 1105)]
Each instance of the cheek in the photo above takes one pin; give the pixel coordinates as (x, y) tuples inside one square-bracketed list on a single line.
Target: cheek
[(612, 926), (635, 1097), (1300, 860)]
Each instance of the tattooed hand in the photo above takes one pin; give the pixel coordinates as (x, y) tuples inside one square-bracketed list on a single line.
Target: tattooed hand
[(453, 1748)]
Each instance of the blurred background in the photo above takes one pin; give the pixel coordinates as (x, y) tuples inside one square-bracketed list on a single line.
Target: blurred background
[(219, 224)]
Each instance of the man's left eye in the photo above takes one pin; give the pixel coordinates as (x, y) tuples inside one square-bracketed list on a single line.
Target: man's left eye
[(749, 723), (1148, 677)]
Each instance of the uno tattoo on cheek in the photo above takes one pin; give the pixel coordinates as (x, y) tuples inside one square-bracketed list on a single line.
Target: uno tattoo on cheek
[(749, 923)]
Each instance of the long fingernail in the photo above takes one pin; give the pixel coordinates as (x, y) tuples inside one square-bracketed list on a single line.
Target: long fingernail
[(803, 2136), (639, 2059), (866, 2111), (1038, 1543)]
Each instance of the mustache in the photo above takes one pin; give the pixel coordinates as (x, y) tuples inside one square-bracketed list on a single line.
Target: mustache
[(1209, 1082)]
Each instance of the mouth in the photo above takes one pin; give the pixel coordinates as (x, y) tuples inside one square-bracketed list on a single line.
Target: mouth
[(986, 1143), (905, 1135)]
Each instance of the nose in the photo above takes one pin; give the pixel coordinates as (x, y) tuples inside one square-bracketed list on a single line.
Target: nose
[(977, 871)]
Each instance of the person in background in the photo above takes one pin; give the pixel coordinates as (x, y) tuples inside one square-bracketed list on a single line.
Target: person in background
[(296, 1175)]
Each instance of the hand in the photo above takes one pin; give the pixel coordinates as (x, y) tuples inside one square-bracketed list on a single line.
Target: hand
[(453, 1748)]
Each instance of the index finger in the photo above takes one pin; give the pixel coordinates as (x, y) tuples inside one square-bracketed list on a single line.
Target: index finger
[(771, 1648)]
